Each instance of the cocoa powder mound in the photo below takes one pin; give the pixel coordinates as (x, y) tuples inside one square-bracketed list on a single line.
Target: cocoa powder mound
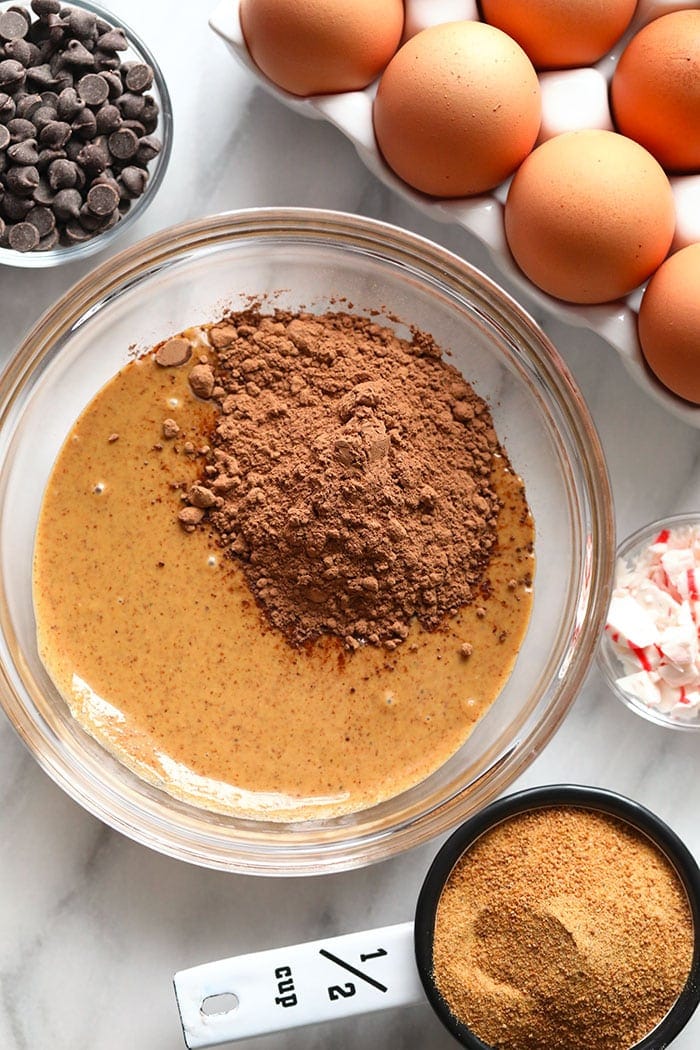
[(349, 474)]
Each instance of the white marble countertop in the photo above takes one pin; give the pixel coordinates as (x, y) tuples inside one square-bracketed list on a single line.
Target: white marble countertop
[(92, 925)]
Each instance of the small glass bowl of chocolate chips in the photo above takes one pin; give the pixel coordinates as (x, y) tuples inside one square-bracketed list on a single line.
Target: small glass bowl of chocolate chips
[(85, 130)]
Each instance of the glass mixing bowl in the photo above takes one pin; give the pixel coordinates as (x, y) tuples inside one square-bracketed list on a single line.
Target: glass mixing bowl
[(187, 275), (136, 51)]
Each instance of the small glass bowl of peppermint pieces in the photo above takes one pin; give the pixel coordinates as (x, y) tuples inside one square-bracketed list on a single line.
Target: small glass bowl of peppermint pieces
[(650, 648), (85, 130)]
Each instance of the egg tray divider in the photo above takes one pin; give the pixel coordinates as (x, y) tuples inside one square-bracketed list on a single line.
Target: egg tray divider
[(571, 100)]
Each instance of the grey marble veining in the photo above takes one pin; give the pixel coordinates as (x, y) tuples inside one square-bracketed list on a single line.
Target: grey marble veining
[(92, 925)]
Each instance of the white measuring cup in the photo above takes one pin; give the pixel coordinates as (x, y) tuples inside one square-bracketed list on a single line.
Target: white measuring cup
[(390, 967)]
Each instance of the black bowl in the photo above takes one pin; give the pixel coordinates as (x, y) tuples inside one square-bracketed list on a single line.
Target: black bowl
[(593, 799)]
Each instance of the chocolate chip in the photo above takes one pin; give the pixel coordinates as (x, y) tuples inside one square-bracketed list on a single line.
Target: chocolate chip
[(27, 105), (23, 237), (131, 106), (75, 233), (73, 148), (42, 75), (102, 199), (106, 61), (76, 54), (43, 194), (44, 115), (139, 77), (55, 134), (149, 147), (113, 40), (22, 181), (12, 74), (37, 33), (85, 124), (56, 26), (113, 80), (82, 24), (14, 208), (123, 144), (51, 240), (69, 104), (43, 219), (24, 152), (21, 129), (64, 79), (112, 220), (43, 8), (13, 26), (47, 156), (21, 50), (108, 119), (106, 178), (93, 158), (62, 174), (136, 126), (4, 137), (57, 61), (7, 107), (22, 11), (34, 54), (133, 181), (66, 204), (89, 221), (93, 89)]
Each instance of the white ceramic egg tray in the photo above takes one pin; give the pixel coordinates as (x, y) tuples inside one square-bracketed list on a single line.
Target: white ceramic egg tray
[(571, 100)]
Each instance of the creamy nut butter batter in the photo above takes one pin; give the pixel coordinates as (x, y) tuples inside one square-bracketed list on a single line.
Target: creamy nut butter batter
[(162, 654)]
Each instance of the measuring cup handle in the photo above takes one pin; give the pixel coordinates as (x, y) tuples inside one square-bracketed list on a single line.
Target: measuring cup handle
[(282, 988)]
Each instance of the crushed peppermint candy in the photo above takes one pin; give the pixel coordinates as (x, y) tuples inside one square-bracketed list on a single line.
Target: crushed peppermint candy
[(654, 623)]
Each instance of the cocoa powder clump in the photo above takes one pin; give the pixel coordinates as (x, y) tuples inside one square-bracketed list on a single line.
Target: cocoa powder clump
[(349, 474)]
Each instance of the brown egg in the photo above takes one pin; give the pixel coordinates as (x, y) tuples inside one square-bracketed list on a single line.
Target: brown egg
[(669, 323), (589, 216), (560, 33), (315, 47), (457, 109), (655, 90)]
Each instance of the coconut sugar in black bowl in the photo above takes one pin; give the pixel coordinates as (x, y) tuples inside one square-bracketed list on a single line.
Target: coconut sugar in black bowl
[(553, 953), (85, 130)]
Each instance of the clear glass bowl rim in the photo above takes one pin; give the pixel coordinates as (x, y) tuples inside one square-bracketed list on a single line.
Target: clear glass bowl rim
[(75, 252), (309, 853), (605, 657)]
